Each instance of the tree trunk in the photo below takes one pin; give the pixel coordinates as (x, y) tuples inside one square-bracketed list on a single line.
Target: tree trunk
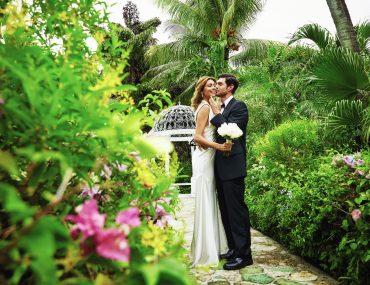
[(342, 20), (226, 54)]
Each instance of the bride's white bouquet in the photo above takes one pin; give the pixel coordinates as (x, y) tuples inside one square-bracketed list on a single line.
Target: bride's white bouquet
[(229, 131)]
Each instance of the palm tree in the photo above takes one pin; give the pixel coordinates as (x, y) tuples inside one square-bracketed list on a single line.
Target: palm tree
[(343, 23), (322, 38), (205, 33), (342, 76)]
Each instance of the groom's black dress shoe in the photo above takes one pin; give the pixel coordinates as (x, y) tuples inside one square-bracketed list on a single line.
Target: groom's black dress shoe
[(238, 263), (228, 255)]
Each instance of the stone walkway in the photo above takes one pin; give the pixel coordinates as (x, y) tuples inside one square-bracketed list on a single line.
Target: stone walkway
[(272, 263)]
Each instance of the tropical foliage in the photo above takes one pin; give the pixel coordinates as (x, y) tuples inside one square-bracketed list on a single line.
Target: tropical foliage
[(342, 77), (322, 38), (83, 195), (314, 201), (205, 33)]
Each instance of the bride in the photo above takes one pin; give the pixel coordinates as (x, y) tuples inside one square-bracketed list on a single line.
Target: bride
[(209, 238)]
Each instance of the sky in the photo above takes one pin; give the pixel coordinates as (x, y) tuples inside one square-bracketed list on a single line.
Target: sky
[(278, 20)]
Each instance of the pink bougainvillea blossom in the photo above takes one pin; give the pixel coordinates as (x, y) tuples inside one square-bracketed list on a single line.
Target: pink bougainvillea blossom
[(135, 155), (356, 214), (88, 220), (162, 218), (121, 167), (350, 160), (128, 219), (109, 243), (91, 192), (359, 172), (160, 211), (112, 244), (106, 171)]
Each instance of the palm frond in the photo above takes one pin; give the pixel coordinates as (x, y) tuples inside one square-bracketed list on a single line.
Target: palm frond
[(239, 14), (161, 73), (186, 95), (181, 49), (363, 36), (346, 119), (188, 14), (341, 74), (314, 32), (252, 49), (366, 125)]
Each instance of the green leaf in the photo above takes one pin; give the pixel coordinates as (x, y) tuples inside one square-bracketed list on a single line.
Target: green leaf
[(314, 32), (13, 204), (41, 242), (8, 163), (359, 200), (341, 74), (151, 274)]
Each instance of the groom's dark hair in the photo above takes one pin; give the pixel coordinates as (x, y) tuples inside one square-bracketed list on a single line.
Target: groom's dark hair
[(230, 80)]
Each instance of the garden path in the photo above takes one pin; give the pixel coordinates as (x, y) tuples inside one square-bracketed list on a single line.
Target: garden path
[(273, 264)]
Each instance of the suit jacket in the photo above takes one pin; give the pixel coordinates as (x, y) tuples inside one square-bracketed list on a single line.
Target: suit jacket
[(232, 166)]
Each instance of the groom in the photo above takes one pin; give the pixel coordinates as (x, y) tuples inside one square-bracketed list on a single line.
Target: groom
[(230, 172)]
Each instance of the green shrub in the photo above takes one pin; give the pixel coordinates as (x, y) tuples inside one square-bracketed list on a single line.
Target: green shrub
[(288, 147), (321, 213), (83, 195)]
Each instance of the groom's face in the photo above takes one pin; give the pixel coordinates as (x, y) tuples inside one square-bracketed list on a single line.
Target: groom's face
[(221, 87)]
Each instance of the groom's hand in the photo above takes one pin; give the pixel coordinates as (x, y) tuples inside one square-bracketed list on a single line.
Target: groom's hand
[(201, 147)]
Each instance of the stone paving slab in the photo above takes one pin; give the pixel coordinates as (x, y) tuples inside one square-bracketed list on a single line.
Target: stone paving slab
[(273, 264)]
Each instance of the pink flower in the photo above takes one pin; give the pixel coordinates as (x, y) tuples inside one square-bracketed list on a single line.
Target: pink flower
[(356, 214), (135, 155), (112, 244), (88, 221), (106, 171), (120, 167), (90, 191), (349, 160), (134, 202), (162, 217), (359, 172), (164, 221), (129, 217), (160, 211), (2, 101)]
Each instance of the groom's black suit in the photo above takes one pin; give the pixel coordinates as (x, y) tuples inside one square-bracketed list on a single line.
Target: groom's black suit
[(230, 172)]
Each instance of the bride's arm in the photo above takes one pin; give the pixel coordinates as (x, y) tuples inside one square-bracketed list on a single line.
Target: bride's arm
[(201, 123)]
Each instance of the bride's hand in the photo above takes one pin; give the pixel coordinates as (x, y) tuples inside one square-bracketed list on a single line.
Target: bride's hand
[(225, 147)]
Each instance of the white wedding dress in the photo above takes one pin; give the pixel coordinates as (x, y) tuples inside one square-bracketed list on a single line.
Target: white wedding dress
[(209, 239)]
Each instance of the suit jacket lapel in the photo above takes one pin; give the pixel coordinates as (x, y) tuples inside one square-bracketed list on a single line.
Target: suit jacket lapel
[(225, 113)]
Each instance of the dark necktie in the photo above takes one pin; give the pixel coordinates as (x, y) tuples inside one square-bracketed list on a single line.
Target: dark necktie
[(222, 107)]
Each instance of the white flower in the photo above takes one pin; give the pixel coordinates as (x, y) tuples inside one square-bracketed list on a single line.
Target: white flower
[(230, 131)]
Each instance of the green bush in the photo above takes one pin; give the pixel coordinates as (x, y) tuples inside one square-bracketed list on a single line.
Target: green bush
[(321, 212), (288, 148), (83, 195)]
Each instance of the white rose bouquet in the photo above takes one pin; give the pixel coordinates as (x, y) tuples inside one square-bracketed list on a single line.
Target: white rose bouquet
[(229, 131)]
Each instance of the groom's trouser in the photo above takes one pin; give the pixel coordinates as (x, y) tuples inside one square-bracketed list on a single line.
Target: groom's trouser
[(235, 215)]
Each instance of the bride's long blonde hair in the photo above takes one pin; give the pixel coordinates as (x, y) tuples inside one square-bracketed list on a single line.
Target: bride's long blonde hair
[(198, 93)]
